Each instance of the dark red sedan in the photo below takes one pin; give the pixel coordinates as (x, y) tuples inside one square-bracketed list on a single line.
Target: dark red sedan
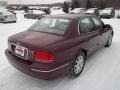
[(58, 45)]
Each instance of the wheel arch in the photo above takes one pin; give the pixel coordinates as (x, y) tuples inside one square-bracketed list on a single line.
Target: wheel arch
[(85, 52), (112, 33), (82, 50)]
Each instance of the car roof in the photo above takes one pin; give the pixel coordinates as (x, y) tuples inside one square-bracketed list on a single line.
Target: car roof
[(93, 8), (69, 16), (79, 8), (108, 8)]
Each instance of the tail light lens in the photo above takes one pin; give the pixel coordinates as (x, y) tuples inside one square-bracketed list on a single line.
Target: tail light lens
[(44, 57), (6, 17)]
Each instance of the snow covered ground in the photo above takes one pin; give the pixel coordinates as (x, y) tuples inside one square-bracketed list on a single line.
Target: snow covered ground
[(102, 70)]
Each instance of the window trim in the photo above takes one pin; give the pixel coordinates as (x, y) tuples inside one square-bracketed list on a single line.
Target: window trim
[(95, 24), (79, 26), (70, 21)]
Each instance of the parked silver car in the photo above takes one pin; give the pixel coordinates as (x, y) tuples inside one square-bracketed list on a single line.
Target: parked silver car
[(35, 14), (6, 16), (107, 13), (118, 15), (77, 11), (94, 11)]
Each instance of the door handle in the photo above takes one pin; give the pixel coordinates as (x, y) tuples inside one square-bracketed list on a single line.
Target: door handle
[(101, 33), (88, 40)]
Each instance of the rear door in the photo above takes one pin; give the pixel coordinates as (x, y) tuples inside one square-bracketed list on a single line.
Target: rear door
[(88, 34)]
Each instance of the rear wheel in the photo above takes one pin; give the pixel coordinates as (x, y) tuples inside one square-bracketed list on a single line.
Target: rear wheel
[(109, 42), (37, 18), (113, 14), (2, 21), (14, 21), (78, 65)]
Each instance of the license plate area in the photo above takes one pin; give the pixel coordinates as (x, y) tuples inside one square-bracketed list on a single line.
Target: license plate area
[(19, 51)]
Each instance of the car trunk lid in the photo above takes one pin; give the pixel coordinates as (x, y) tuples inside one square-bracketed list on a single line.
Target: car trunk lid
[(32, 39)]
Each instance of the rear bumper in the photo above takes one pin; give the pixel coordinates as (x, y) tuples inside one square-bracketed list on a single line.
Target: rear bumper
[(30, 16), (37, 70), (105, 16), (10, 19), (118, 16)]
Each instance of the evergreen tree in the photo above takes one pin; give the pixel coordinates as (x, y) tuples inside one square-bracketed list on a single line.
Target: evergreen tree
[(101, 4), (66, 7), (88, 4), (75, 4), (98, 4)]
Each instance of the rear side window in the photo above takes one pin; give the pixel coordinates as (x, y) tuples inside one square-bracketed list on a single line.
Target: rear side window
[(98, 23), (86, 25)]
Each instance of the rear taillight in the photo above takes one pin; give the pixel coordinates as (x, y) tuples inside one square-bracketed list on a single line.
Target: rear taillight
[(6, 17), (44, 57)]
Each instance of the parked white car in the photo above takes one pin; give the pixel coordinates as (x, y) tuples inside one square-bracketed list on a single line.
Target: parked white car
[(35, 14), (57, 12), (77, 11), (6, 16), (118, 16), (107, 13), (19, 11), (34, 7), (94, 11), (38, 12), (55, 8)]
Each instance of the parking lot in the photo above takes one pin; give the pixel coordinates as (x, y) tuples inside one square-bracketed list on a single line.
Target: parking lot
[(101, 72)]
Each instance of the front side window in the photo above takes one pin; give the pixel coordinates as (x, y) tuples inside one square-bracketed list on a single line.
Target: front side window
[(98, 23), (86, 25), (6, 13), (51, 25)]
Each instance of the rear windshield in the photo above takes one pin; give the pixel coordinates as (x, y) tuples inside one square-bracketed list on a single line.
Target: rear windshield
[(6, 13), (51, 25)]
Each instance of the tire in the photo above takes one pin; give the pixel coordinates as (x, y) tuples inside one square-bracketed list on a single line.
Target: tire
[(37, 18), (25, 16), (34, 17), (109, 42), (99, 16), (78, 65), (113, 14), (2, 21), (14, 21)]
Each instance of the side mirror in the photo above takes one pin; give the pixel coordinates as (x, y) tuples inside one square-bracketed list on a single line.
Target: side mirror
[(107, 26)]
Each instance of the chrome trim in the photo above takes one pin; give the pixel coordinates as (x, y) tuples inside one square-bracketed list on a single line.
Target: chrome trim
[(79, 29), (50, 70), (16, 54)]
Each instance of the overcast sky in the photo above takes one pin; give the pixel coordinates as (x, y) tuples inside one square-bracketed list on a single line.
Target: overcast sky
[(33, 1)]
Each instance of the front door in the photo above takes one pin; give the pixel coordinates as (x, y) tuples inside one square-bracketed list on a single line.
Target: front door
[(103, 32), (88, 34)]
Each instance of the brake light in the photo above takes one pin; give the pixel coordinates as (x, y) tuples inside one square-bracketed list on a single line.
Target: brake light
[(6, 17), (44, 57)]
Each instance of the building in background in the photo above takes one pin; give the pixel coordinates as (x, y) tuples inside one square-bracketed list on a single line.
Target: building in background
[(82, 3), (105, 3), (3, 3)]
